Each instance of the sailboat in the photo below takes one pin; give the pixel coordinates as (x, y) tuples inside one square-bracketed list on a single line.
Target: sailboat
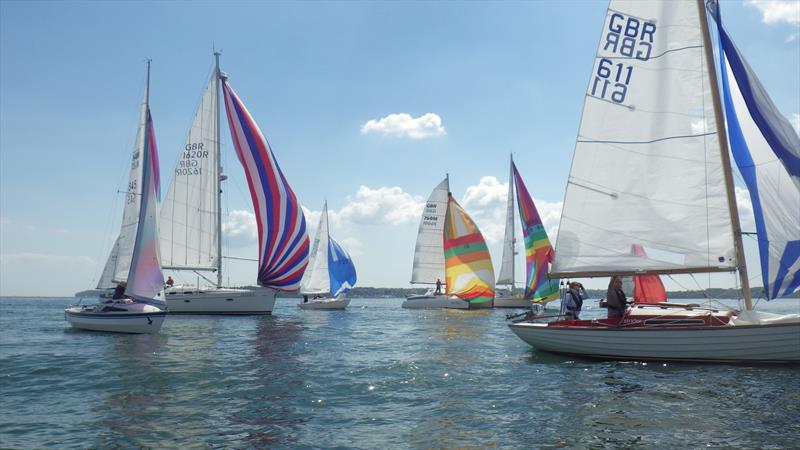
[(651, 167), (330, 274), (191, 214), (138, 305), (538, 251), (451, 247)]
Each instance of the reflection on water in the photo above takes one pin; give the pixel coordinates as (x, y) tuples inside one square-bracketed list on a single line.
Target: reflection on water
[(373, 376)]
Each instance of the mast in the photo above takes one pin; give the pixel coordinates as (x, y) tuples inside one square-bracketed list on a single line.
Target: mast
[(726, 161), (513, 234), (219, 173)]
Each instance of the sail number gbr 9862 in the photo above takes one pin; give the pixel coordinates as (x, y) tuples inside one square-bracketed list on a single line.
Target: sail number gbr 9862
[(626, 38), (190, 163)]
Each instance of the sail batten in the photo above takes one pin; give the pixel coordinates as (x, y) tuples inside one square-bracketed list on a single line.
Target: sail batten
[(468, 266), (656, 119)]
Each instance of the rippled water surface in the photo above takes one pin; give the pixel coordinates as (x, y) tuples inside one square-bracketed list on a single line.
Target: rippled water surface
[(374, 376)]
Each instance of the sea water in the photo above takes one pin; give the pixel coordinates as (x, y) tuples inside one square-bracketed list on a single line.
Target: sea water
[(373, 376)]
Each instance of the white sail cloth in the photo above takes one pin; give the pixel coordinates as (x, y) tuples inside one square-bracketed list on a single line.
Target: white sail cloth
[(429, 251), (647, 167), (506, 274), (188, 222), (316, 279)]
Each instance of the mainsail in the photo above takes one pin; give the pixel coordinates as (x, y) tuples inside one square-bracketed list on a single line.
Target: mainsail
[(340, 268), (282, 237), (145, 279), (469, 271), (316, 279), (130, 215), (428, 253), (506, 275), (767, 152), (538, 251), (648, 115), (188, 225)]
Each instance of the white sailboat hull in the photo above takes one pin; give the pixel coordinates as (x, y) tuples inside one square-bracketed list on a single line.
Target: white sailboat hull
[(743, 343), (220, 301), (511, 302), (141, 320), (340, 302)]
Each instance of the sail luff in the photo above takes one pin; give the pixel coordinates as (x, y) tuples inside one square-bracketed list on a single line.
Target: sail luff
[(733, 209), (218, 157), (506, 275)]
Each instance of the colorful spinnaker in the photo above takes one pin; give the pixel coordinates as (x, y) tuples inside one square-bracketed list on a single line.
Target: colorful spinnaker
[(538, 251), (468, 266), (282, 236), (341, 270)]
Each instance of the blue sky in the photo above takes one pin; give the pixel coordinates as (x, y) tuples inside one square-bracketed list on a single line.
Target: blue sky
[(496, 78)]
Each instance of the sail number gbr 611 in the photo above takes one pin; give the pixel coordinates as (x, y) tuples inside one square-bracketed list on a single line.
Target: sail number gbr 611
[(190, 164), (626, 38)]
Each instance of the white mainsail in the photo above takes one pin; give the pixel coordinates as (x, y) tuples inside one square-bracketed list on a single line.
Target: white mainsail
[(130, 214), (506, 275), (188, 223), (316, 279), (429, 251), (647, 167)]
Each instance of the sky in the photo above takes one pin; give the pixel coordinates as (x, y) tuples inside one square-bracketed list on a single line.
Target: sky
[(366, 104)]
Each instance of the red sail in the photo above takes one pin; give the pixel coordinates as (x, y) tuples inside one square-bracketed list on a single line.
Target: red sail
[(647, 288)]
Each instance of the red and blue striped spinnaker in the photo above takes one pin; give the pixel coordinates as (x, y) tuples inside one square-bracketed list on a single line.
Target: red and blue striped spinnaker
[(538, 251), (282, 236)]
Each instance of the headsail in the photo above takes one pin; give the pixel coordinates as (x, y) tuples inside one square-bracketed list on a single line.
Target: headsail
[(469, 271), (282, 237), (428, 253), (316, 279), (340, 268), (648, 115), (767, 152), (145, 279), (538, 251), (646, 288), (107, 277), (189, 212), (506, 275)]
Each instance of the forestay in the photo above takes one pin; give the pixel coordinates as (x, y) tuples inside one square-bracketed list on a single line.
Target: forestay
[(341, 269), (506, 275), (282, 237), (188, 227), (647, 166), (767, 152), (145, 279), (428, 253), (316, 279), (469, 271)]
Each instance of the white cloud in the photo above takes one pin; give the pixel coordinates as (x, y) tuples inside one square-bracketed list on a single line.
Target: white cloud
[(353, 246), (699, 126), (776, 11), (792, 37), (794, 119), (486, 204), (240, 229), (403, 125), (386, 205), (747, 220)]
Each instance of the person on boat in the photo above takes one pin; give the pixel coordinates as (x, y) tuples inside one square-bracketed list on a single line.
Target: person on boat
[(616, 300), (574, 300), (305, 299), (438, 287), (170, 282), (119, 291)]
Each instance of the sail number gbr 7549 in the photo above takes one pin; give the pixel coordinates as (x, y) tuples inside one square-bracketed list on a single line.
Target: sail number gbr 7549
[(625, 38), (190, 159)]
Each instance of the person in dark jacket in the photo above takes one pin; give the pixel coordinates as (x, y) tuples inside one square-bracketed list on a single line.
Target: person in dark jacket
[(616, 299), (574, 300)]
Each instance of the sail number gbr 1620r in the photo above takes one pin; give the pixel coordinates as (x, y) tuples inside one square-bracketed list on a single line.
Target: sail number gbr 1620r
[(190, 164)]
